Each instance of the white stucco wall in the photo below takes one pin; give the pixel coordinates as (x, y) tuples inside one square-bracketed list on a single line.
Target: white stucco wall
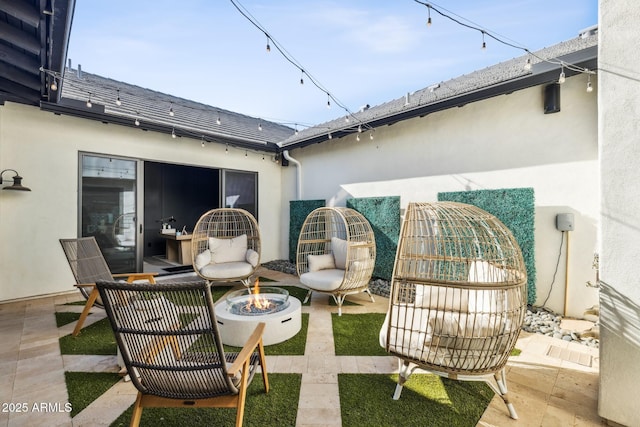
[(503, 142), (44, 148), (619, 115)]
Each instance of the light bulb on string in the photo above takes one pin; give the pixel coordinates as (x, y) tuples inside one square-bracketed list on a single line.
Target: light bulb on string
[(263, 157), (268, 45), (359, 128), (346, 119), (562, 77), (296, 128), (328, 100), (202, 144), (371, 135), (89, 104), (527, 65), (357, 137), (260, 126), (226, 149), (330, 136), (53, 86), (484, 44), (173, 133), (589, 85), (246, 153), (118, 100), (171, 113), (302, 77), (429, 16), (218, 121)]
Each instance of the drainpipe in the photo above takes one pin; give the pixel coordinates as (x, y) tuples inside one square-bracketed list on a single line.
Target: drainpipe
[(286, 155)]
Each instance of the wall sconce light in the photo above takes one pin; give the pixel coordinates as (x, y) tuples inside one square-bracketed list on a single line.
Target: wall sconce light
[(17, 181)]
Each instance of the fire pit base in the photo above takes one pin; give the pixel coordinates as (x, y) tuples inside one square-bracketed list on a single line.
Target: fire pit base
[(235, 329)]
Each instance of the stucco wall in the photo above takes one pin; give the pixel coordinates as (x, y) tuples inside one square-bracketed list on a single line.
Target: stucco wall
[(44, 148), (619, 116), (503, 142)]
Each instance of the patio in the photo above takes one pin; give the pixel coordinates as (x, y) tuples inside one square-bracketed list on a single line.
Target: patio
[(547, 390)]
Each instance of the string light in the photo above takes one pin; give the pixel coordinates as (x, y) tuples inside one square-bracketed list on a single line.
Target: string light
[(137, 122), (330, 136), (260, 126), (173, 133), (484, 44), (527, 65), (484, 32), (226, 149), (218, 121), (268, 45), (359, 129), (171, 113), (246, 153), (53, 86), (358, 137), (429, 15), (202, 144), (118, 101), (562, 77), (89, 104), (589, 85), (302, 77), (371, 135), (328, 100)]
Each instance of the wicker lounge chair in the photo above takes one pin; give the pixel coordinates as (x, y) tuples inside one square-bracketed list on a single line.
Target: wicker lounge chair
[(336, 253), (458, 296), (169, 341), (225, 246), (88, 266)]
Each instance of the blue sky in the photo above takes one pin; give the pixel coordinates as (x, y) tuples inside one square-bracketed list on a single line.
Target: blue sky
[(362, 51)]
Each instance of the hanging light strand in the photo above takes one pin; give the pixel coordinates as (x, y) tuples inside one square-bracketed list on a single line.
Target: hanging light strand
[(500, 39), (287, 56)]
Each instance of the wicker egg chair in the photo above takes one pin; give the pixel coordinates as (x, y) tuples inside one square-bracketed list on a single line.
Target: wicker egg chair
[(336, 253), (458, 296), (225, 246)]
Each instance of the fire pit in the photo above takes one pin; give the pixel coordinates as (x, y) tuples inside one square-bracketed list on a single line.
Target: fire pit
[(245, 308)]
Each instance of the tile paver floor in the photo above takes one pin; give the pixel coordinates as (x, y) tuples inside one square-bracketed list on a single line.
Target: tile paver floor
[(546, 391)]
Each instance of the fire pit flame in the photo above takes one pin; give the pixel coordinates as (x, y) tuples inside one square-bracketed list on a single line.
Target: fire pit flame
[(258, 301)]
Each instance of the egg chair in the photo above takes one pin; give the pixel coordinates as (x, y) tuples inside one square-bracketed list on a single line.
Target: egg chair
[(225, 246), (336, 253), (458, 296)]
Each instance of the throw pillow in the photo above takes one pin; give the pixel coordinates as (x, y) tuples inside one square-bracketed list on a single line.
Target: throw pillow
[(320, 262), (339, 249), (228, 250)]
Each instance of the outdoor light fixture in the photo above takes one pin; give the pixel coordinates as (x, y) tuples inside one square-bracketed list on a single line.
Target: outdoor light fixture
[(17, 181)]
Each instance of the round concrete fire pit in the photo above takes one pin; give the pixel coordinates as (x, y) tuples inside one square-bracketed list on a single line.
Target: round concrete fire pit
[(242, 310)]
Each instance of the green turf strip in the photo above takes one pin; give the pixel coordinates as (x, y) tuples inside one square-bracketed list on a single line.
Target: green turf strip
[(277, 408), (97, 338), (85, 387), (426, 400), (357, 334), (65, 317)]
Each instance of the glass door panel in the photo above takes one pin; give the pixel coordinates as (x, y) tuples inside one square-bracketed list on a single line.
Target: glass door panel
[(240, 191), (108, 209)]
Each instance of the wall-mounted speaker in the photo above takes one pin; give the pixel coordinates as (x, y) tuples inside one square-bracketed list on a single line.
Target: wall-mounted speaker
[(552, 98)]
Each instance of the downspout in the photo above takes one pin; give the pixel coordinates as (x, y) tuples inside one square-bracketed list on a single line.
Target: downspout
[(286, 155)]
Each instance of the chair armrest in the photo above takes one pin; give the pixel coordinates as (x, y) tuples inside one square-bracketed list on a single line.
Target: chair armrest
[(247, 350), (83, 285), (137, 276)]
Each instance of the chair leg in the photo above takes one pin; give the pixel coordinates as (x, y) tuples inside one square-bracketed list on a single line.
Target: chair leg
[(370, 295), (404, 372), (242, 394), (307, 297), (137, 412), (263, 366), (339, 299), (500, 388), (87, 307)]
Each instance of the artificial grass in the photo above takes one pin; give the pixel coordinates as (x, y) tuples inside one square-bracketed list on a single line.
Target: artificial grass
[(97, 338), (357, 334), (65, 317), (85, 387), (292, 347), (426, 400), (278, 408), (299, 293)]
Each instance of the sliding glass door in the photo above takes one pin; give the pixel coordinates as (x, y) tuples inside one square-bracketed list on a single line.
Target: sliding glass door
[(109, 209), (240, 190)]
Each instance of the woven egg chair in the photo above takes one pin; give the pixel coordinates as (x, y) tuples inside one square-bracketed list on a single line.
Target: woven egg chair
[(225, 246), (336, 253), (458, 296)]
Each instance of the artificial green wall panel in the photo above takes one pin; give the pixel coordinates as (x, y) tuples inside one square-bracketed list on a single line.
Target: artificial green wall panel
[(383, 213), (298, 211), (515, 207)]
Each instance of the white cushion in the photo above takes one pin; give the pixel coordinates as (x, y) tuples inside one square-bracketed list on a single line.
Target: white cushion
[(339, 249), (442, 297), (228, 250), (226, 270), (203, 259), (252, 257), (321, 262), (323, 280)]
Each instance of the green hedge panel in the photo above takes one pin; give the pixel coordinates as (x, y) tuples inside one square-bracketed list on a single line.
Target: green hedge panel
[(515, 207), (298, 211), (383, 213)]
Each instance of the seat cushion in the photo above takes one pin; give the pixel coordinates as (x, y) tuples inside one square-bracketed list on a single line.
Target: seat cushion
[(226, 270), (323, 280)]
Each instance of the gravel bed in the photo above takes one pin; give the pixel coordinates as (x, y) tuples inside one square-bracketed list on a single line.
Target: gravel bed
[(537, 320)]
